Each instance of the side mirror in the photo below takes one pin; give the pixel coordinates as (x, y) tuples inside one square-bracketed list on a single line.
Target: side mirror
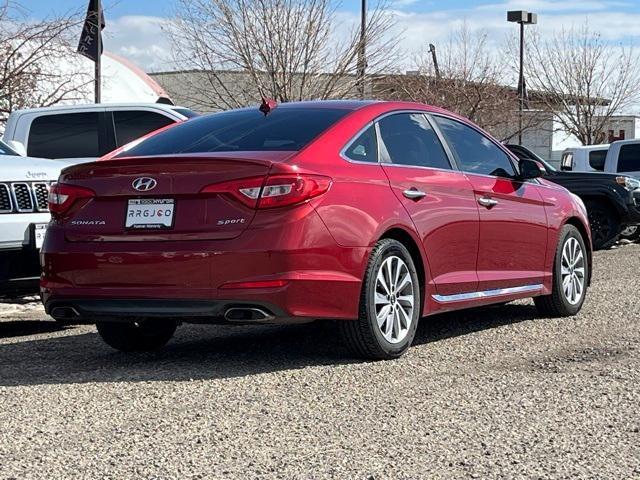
[(531, 169), (18, 147)]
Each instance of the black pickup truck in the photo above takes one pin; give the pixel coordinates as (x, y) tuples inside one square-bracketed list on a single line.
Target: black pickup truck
[(612, 201)]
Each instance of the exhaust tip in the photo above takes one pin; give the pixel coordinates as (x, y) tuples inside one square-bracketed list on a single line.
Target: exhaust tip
[(247, 314), (64, 313)]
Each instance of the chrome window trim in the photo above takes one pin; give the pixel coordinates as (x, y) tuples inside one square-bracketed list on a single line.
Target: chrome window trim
[(499, 292), (343, 152), (375, 123), (15, 198), (6, 186)]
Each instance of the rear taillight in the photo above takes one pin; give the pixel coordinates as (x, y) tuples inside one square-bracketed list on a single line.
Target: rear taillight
[(274, 191), (62, 197)]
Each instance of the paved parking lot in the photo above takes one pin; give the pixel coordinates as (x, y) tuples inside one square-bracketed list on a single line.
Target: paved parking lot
[(492, 393)]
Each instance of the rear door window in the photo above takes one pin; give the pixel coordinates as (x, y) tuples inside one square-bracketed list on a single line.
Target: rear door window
[(132, 124), (629, 159), (597, 159), (71, 135), (410, 140)]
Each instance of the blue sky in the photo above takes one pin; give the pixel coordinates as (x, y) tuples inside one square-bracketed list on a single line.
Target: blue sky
[(134, 27)]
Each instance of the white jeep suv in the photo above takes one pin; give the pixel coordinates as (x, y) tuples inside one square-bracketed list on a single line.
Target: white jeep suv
[(24, 187)]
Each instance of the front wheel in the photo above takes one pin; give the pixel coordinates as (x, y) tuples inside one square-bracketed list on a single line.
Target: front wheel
[(389, 305), (570, 276), (142, 336)]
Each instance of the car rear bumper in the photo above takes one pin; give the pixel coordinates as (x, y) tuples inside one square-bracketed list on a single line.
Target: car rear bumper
[(294, 270)]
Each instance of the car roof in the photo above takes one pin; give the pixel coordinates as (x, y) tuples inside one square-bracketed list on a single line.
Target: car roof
[(89, 106), (603, 146), (627, 141)]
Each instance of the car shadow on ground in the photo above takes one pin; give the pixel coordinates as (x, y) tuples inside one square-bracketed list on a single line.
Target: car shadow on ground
[(208, 352), (21, 328)]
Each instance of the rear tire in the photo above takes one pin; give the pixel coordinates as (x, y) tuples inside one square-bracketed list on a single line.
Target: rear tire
[(389, 305), (570, 276), (144, 336), (605, 224)]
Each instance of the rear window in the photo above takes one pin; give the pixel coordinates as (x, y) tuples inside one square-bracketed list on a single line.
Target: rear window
[(597, 158), (629, 160), (241, 130)]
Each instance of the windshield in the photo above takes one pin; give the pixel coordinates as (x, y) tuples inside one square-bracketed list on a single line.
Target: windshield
[(6, 150), (286, 129), (186, 112)]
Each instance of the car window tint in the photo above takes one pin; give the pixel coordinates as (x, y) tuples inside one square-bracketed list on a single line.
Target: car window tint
[(72, 135), (132, 124), (475, 152), (288, 129), (629, 160), (597, 158), (410, 140), (364, 148)]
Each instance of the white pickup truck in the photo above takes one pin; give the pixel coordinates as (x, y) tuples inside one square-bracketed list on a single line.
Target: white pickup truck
[(24, 215), (624, 157)]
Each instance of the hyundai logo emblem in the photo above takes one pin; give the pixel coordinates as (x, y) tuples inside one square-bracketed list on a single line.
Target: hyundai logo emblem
[(144, 184)]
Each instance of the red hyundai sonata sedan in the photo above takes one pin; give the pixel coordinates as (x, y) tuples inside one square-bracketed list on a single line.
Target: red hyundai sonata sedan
[(373, 214)]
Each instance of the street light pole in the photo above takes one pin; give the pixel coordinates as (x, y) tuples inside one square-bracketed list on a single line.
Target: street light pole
[(362, 49), (523, 18)]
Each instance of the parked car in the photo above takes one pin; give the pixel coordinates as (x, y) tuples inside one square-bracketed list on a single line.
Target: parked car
[(624, 157), (612, 201), (590, 158), (371, 214), (24, 215), (86, 132)]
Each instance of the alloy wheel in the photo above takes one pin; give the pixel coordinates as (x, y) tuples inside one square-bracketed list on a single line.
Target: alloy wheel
[(394, 299), (572, 271)]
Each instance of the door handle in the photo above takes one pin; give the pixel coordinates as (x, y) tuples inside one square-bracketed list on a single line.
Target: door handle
[(414, 194), (487, 202)]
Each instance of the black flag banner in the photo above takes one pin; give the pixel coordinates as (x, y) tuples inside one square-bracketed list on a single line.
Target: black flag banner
[(88, 45)]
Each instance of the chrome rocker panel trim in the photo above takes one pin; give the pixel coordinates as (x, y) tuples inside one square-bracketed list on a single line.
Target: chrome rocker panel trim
[(460, 297)]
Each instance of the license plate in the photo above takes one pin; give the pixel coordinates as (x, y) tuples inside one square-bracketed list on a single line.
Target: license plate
[(150, 213), (39, 230)]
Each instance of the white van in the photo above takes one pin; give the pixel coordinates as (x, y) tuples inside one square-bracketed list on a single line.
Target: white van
[(84, 133), (590, 158), (624, 157)]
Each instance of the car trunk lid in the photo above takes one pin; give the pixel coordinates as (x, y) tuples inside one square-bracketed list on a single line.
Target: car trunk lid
[(168, 186)]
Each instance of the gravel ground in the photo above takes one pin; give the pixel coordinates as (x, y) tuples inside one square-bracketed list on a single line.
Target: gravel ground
[(491, 393)]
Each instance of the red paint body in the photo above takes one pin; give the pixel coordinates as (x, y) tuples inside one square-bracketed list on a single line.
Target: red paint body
[(315, 252)]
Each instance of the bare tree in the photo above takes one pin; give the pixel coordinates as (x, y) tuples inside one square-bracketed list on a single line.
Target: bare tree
[(584, 79), (29, 52), (288, 50), (467, 79)]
